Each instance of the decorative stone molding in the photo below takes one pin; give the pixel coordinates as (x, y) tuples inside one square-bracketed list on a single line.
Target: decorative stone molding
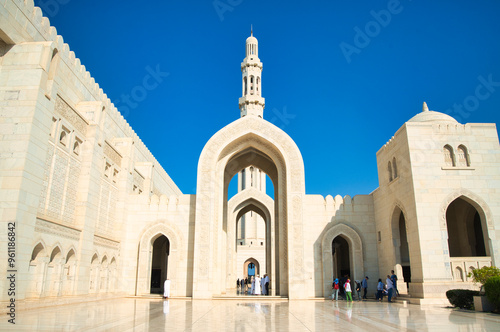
[(106, 242), (111, 153), (70, 114), (49, 227)]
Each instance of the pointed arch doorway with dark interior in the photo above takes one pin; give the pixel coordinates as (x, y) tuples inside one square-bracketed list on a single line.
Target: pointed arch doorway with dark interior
[(340, 256), (159, 263), (401, 248)]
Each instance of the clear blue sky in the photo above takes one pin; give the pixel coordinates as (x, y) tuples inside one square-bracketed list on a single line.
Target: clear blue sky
[(345, 93)]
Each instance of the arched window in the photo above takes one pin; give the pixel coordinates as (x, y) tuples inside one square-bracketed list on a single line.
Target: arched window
[(245, 85), (449, 158), (258, 84), (63, 138), (463, 156), (76, 148), (389, 170), (458, 274), (251, 85), (394, 167)]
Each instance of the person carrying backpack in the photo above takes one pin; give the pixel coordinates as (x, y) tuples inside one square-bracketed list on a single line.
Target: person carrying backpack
[(335, 287)]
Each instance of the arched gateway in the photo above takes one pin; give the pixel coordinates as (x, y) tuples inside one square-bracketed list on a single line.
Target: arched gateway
[(249, 141)]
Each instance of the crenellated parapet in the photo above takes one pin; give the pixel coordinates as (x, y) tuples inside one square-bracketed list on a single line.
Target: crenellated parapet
[(346, 203), (162, 203)]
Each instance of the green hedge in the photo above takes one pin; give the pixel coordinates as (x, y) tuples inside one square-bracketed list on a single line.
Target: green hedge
[(462, 298), (492, 289)]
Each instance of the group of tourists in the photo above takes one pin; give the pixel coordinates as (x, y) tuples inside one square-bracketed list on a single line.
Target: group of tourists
[(390, 288), (254, 285), (342, 288)]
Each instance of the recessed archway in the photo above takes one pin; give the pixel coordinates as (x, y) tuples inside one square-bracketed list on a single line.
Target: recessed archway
[(159, 263), (261, 204), (465, 230), (249, 269), (340, 233), (401, 247), (246, 142), (145, 259)]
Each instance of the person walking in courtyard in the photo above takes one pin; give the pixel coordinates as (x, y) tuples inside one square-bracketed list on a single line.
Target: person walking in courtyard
[(364, 286), (358, 289), (347, 288), (390, 288), (394, 279), (166, 289), (336, 287), (380, 290)]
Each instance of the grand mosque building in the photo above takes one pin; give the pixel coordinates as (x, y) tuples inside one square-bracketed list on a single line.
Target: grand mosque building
[(95, 215)]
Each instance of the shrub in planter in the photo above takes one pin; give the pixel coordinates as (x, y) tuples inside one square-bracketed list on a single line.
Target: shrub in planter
[(462, 298), (481, 275), (492, 289)]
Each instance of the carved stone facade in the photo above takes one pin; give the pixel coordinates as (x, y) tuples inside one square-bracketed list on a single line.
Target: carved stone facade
[(96, 214)]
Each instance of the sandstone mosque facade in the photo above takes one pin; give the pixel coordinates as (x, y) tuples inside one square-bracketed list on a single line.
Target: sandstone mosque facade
[(96, 215)]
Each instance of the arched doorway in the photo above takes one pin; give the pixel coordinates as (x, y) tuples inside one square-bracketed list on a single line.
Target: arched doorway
[(251, 268), (466, 230), (401, 248), (342, 252), (263, 252), (340, 256), (159, 263), (249, 141), (146, 248)]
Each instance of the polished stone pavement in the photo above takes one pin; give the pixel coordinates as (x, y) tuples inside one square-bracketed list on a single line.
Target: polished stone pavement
[(150, 314)]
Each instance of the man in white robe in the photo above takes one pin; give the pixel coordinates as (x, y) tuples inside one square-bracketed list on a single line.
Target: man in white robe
[(257, 285), (166, 289)]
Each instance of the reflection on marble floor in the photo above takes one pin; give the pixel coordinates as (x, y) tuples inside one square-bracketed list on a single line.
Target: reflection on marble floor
[(132, 314)]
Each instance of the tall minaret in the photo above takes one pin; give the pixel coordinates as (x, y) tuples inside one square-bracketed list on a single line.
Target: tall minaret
[(251, 102)]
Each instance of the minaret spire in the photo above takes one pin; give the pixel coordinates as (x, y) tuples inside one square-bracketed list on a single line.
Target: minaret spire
[(251, 102)]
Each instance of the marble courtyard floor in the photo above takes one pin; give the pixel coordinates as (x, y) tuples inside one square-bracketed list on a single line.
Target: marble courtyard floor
[(147, 314)]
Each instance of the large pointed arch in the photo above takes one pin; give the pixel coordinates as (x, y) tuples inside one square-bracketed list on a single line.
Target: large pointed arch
[(472, 198), (245, 142), (355, 251), (487, 225), (146, 241)]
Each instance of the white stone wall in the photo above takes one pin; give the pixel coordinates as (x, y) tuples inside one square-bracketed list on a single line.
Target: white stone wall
[(67, 163)]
